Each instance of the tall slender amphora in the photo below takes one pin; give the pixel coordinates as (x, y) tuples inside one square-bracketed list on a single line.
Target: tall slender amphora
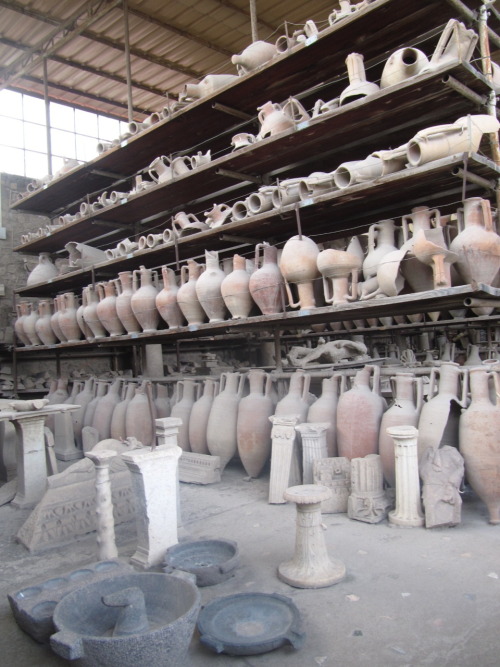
[(404, 411), (235, 291), (187, 393), (187, 297), (143, 302), (106, 309), (90, 313), (123, 307), (117, 428), (43, 326), (253, 427), (295, 403), (324, 410), (359, 414), (104, 410), (67, 319), (479, 437), (166, 300), (221, 427), (139, 420), (266, 283), (208, 288), (439, 418), (82, 399), (198, 419), (22, 311)]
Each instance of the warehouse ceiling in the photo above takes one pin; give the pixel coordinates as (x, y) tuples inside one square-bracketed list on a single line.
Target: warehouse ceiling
[(82, 45)]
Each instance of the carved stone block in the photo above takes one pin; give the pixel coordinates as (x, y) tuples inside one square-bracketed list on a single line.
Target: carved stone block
[(334, 473), (368, 501), (442, 471), (199, 468)]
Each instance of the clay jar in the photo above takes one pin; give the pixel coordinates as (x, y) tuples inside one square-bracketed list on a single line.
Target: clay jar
[(43, 326), (106, 309), (266, 282), (235, 290), (273, 120), (417, 275), (84, 327), (208, 288), (29, 325), (198, 418), (139, 419), (118, 420), (296, 402), (123, 308), (324, 410), (43, 271), (401, 65), (54, 320), (103, 413), (298, 266), (82, 399), (256, 54), (100, 389), (143, 301), (162, 402), (404, 411), (187, 391), (67, 318), (90, 313), (166, 300), (480, 442), (187, 297), (253, 427), (22, 311), (337, 267), (359, 414), (221, 426)]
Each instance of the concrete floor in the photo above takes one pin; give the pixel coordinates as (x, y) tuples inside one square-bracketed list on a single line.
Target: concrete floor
[(411, 596)]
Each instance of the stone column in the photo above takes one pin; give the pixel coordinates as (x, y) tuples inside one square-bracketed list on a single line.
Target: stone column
[(310, 566), (408, 510), (285, 470), (314, 447), (368, 501), (104, 504), (154, 479)]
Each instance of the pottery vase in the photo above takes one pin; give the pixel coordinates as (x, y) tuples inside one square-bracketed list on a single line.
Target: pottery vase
[(187, 395), (82, 399), (221, 426), (235, 290), (166, 300), (140, 416), (29, 324), (84, 327), (162, 401), (417, 275), (117, 428), (339, 270), (296, 402), (198, 418), (187, 297), (273, 120), (266, 283), (256, 54), (22, 311), (253, 426), (123, 308), (43, 271), (67, 319), (358, 87), (106, 309), (43, 326), (403, 64), (479, 442), (324, 410), (359, 413), (208, 288), (298, 267), (103, 413), (207, 86), (143, 301), (90, 313), (404, 411), (100, 389), (380, 242), (54, 320)]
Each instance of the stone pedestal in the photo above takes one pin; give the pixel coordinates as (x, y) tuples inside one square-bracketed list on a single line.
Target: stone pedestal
[(335, 474), (314, 447), (367, 501), (166, 432), (408, 510), (285, 469), (64, 438), (104, 504), (154, 480), (310, 566)]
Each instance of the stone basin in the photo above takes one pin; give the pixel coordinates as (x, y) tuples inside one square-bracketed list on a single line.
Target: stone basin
[(211, 561)]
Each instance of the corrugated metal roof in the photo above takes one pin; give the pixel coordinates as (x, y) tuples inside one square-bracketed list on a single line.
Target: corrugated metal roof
[(171, 44)]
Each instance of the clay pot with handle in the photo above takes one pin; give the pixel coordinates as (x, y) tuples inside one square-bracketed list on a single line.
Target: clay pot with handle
[(222, 421), (143, 301), (106, 309), (187, 297), (166, 300), (123, 307), (198, 418), (266, 283)]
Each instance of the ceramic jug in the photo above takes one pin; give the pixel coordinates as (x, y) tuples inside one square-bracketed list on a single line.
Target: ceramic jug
[(43, 271), (198, 418), (358, 87), (22, 311), (217, 215), (380, 242), (266, 283), (84, 327), (416, 274), (187, 392), (143, 301), (324, 410), (256, 54), (162, 401), (118, 419), (296, 402), (166, 300), (100, 389), (403, 64), (187, 297), (67, 319), (359, 413), (221, 426), (160, 169), (208, 288), (340, 269), (54, 320), (29, 324), (140, 416), (184, 224), (253, 427), (124, 310), (106, 309), (429, 247), (479, 440), (298, 267), (235, 290), (261, 201), (43, 326), (103, 413), (358, 171), (82, 399), (273, 120), (90, 313)]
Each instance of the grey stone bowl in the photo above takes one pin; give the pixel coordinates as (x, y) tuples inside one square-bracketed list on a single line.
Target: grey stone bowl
[(85, 624), (211, 561)]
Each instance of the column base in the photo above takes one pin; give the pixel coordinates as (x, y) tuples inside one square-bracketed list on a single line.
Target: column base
[(326, 574), (414, 522)]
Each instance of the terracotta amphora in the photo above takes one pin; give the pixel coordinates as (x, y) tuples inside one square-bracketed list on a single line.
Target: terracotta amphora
[(403, 64), (417, 275), (162, 401), (404, 411), (54, 320), (82, 399), (256, 54), (90, 313), (380, 242), (166, 300), (22, 311), (235, 290), (140, 416), (43, 326), (479, 440), (273, 120), (29, 324), (143, 301), (198, 418), (67, 318), (58, 395), (208, 288), (340, 271), (253, 426), (221, 426), (298, 267), (186, 296), (324, 410), (123, 308), (75, 390), (117, 429), (359, 413), (100, 389), (103, 413), (266, 283), (43, 271), (187, 392), (296, 403), (106, 309), (84, 327), (439, 418)]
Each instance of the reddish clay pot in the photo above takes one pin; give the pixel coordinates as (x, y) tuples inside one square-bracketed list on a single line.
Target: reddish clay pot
[(187, 394), (90, 313), (253, 427), (298, 267), (198, 418), (106, 309), (166, 300), (235, 290), (221, 427), (143, 302), (43, 326), (187, 297), (68, 322), (123, 308), (266, 283), (208, 288)]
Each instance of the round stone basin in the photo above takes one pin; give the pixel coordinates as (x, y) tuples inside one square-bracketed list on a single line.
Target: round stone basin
[(211, 561)]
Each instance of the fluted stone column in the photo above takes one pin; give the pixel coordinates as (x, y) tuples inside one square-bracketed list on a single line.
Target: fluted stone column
[(310, 567), (104, 504), (314, 447), (368, 501), (285, 470), (408, 510)]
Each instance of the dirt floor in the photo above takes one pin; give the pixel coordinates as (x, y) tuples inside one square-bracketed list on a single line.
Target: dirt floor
[(411, 596)]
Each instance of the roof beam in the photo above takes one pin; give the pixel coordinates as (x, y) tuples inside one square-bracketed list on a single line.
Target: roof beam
[(237, 10)]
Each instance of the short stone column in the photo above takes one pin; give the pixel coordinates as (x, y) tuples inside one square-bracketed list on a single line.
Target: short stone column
[(408, 510), (310, 567), (368, 501), (104, 504), (314, 447), (154, 480), (335, 474), (285, 470), (167, 430)]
